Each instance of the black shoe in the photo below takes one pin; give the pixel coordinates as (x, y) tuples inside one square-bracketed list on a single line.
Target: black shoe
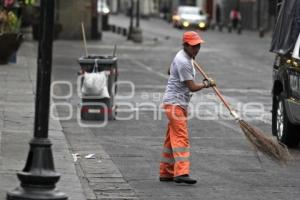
[(166, 179), (184, 179)]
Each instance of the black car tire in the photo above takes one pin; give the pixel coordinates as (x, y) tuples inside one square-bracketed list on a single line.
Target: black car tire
[(282, 128)]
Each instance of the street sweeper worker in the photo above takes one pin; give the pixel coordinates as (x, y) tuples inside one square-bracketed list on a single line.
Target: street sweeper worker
[(175, 164)]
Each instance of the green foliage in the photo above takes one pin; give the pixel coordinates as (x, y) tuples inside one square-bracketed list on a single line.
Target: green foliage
[(9, 21)]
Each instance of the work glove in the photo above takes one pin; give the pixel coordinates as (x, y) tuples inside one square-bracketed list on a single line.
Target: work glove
[(209, 82)]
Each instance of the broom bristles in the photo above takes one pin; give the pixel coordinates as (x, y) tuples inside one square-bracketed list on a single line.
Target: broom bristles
[(273, 149)]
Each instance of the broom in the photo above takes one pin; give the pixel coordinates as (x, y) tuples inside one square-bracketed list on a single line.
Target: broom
[(270, 147)]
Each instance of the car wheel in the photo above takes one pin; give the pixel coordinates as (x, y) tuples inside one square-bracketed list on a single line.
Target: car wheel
[(282, 128)]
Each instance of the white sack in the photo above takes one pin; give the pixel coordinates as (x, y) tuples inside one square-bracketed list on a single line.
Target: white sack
[(95, 84)]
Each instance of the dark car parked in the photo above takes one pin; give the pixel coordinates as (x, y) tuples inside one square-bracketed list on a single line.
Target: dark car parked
[(286, 74), (286, 99)]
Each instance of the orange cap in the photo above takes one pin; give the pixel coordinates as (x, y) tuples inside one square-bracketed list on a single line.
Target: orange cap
[(192, 38)]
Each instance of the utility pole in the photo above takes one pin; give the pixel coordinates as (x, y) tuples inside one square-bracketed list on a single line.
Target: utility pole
[(138, 14), (100, 22), (118, 6), (136, 35), (260, 26), (38, 177), (131, 20), (258, 14), (94, 20)]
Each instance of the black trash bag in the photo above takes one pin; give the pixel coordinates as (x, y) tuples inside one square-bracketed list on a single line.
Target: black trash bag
[(287, 27)]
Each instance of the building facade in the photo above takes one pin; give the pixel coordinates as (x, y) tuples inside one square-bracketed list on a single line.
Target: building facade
[(256, 14)]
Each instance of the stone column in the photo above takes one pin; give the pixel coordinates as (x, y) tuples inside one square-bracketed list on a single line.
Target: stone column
[(71, 14), (113, 5)]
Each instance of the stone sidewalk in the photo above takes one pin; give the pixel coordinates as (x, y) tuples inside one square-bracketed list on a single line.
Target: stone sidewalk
[(17, 96)]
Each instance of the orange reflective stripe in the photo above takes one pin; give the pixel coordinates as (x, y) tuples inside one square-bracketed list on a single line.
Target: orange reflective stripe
[(173, 160), (181, 149), (167, 150), (178, 154), (167, 160)]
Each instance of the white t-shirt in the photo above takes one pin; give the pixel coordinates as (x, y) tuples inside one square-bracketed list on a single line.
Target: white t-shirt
[(181, 70)]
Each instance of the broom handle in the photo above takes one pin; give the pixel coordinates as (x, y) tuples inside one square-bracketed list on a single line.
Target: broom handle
[(84, 38), (218, 93)]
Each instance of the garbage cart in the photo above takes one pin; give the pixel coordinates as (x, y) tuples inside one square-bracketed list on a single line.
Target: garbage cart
[(96, 107)]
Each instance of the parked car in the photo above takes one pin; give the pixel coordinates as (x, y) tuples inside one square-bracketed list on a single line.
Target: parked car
[(286, 78), (190, 17), (286, 98)]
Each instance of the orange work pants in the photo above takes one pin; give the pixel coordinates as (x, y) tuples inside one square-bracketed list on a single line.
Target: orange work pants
[(175, 155)]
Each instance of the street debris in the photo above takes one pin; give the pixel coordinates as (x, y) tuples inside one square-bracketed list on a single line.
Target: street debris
[(90, 156), (75, 156)]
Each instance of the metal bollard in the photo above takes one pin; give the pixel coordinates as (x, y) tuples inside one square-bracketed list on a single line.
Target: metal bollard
[(261, 33), (220, 27), (113, 28), (239, 29), (124, 32), (119, 30), (229, 28)]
